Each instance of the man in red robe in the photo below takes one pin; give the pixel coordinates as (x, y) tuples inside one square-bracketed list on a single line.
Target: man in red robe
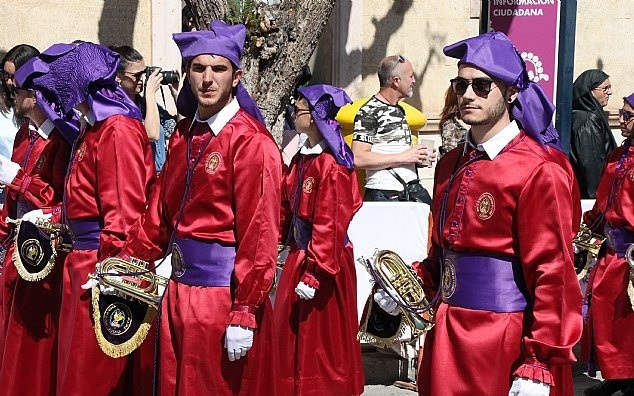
[(217, 211), (315, 303), (34, 179), (109, 178), (501, 258), (609, 291)]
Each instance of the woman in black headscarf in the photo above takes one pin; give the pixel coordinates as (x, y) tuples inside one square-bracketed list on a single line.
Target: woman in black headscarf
[(591, 137)]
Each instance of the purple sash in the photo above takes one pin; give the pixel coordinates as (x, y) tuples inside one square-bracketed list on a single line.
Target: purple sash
[(303, 233), (198, 263), (22, 207), (85, 233), (485, 283), (618, 238)]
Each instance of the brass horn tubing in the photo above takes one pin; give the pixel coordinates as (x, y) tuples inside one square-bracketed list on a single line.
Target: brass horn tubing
[(587, 240), (629, 255)]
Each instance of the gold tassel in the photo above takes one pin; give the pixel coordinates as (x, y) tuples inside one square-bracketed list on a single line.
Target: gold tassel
[(120, 350)]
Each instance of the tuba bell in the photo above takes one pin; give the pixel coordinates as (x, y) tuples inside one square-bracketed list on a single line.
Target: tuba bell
[(400, 282)]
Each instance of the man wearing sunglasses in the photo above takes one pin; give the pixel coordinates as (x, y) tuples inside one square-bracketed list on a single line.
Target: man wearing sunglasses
[(34, 180), (382, 140), (501, 258)]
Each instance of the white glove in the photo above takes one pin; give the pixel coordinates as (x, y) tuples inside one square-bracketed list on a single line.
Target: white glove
[(8, 170), (238, 341), (36, 214), (386, 302), (304, 291), (92, 282), (526, 387)]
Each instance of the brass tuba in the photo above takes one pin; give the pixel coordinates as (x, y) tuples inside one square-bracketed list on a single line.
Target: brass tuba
[(132, 278), (402, 284), (588, 243), (588, 240)]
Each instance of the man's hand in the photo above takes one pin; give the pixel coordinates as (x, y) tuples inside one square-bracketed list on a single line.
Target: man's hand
[(8, 170), (238, 341), (526, 387), (304, 291), (34, 215), (386, 302), (415, 155)]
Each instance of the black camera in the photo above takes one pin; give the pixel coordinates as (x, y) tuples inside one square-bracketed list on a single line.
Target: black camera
[(169, 76)]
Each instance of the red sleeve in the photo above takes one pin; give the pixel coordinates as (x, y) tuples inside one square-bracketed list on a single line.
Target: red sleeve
[(545, 249), (257, 184), (125, 172), (331, 218)]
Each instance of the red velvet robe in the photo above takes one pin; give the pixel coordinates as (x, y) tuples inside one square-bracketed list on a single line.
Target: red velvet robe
[(31, 309), (533, 216), (234, 199), (109, 178), (611, 317), (319, 352)]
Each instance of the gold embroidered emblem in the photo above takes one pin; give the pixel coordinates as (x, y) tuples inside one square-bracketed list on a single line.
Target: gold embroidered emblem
[(213, 162), (308, 185), (40, 163), (485, 206), (81, 151), (632, 176), (448, 279)]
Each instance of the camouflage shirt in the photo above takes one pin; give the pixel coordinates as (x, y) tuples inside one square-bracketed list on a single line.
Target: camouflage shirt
[(384, 127)]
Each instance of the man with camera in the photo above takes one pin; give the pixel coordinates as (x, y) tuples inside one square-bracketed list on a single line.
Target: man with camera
[(382, 140), (158, 122)]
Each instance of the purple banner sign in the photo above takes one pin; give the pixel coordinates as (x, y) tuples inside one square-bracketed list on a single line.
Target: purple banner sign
[(533, 26)]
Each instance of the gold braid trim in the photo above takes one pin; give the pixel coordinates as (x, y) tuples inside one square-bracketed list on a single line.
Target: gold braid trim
[(120, 350), (19, 265), (364, 336)]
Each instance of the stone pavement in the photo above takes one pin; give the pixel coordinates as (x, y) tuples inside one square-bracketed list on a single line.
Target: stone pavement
[(581, 381)]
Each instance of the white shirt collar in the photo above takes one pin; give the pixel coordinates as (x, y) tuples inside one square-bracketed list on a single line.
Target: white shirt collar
[(218, 121), (45, 129), (88, 118), (316, 149), (496, 144)]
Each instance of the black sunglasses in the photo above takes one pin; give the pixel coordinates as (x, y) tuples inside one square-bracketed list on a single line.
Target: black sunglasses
[(481, 86), (627, 115), (6, 76), (400, 59)]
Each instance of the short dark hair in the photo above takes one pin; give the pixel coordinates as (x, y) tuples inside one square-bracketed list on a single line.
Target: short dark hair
[(127, 55)]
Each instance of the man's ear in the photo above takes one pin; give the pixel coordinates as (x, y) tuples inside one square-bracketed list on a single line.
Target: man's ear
[(237, 75), (512, 93)]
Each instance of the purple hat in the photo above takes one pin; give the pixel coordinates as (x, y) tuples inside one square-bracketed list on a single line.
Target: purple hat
[(494, 54), (325, 101), (630, 100), (66, 123), (69, 74), (223, 40)]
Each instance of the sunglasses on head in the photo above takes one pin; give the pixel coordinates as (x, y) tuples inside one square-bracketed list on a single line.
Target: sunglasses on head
[(481, 86), (400, 59), (627, 115)]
